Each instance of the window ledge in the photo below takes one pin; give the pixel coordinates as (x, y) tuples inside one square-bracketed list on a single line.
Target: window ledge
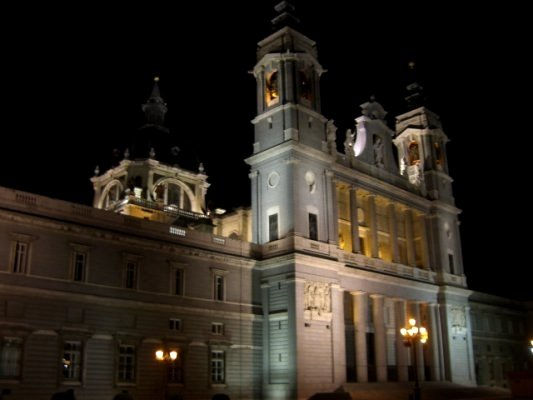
[(219, 385), (71, 383), (126, 384), (12, 381)]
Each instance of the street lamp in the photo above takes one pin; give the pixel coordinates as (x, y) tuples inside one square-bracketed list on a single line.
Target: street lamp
[(531, 346), (412, 334), (169, 358)]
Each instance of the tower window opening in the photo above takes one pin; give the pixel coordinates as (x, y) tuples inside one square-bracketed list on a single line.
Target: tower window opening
[(272, 89), (273, 227), (313, 226), (414, 154)]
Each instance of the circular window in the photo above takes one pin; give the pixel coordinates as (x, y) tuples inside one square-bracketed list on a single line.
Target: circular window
[(273, 179)]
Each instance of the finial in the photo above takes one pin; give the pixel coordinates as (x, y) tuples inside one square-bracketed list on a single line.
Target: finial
[(127, 154), (174, 150), (415, 92), (97, 171), (152, 153), (201, 168), (285, 16)]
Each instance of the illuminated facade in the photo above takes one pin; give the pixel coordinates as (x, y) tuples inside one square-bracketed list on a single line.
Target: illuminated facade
[(303, 293)]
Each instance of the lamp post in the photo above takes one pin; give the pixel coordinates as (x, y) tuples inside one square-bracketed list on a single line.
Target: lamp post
[(169, 358), (411, 335)]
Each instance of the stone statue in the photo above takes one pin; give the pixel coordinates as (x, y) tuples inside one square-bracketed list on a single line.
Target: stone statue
[(378, 153), (348, 142), (403, 166), (331, 130)]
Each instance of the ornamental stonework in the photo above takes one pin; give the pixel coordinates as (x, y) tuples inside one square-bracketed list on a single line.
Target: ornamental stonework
[(317, 301)]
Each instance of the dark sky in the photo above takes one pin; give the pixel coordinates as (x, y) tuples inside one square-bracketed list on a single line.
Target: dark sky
[(74, 79)]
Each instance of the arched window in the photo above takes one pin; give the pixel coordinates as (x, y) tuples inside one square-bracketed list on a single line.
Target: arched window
[(271, 88), (439, 155), (172, 192), (111, 194), (414, 154)]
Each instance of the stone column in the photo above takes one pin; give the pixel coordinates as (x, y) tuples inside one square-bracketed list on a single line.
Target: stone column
[(371, 201), (393, 233), (360, 304), (401, 351), (409, 238), (380, 337), (414, 308), (338, 332), (356, 248), (256, 219), (424, 241), (289, 81), (260, 90), (332, 212), (433, 342)]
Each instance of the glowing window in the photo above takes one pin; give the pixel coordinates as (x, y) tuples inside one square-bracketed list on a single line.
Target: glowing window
[(272, 88)]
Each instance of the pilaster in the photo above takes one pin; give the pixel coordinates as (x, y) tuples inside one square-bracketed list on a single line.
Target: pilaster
[(356, 246), (360, 304)]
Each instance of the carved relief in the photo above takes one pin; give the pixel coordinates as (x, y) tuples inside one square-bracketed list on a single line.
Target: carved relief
[(458, 318), (317, 301)]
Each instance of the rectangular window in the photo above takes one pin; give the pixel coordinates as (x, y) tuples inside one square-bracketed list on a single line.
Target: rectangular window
[(126, 363), (20, 258), (450, 263), (79, 266), (178, 282), (217, 366), (131, 275), (217, 328), (10, 357), (273, 227), (174, 324), (71, 361), (313, 227), (219, 288)]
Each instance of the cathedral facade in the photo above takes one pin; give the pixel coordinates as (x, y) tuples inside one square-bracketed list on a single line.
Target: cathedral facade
[(300, 294)]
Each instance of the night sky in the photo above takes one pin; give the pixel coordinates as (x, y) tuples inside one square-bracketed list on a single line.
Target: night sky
[(74, 80)]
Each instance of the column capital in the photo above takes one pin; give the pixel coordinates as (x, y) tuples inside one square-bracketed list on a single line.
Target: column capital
[(376, 296), (253, 174), (358, 292)]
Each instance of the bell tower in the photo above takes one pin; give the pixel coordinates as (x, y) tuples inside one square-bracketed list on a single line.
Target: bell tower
[(421, 144), (288, 167), (288, 93)]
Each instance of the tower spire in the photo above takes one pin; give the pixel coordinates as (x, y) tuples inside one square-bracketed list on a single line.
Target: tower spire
[(285, 17), (415, 92), (155, 107)]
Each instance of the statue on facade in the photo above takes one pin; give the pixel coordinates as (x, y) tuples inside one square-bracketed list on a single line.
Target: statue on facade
[(331, 136), (378, 153), (348, 142), (403, 166)]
